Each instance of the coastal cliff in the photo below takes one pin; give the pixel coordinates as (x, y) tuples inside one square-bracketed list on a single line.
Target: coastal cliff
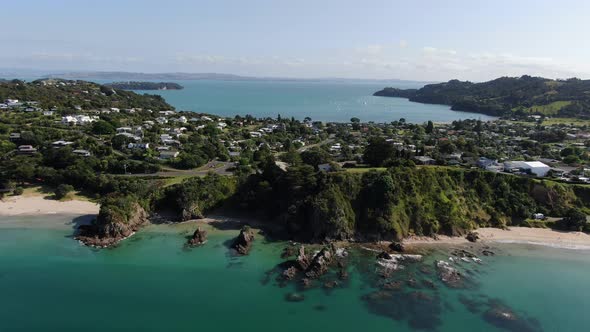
[(119, 218)]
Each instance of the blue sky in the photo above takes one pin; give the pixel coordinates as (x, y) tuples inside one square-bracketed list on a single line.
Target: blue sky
[(417, 39)]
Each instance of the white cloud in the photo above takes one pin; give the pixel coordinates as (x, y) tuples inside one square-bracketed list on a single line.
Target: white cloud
[(403, 43)]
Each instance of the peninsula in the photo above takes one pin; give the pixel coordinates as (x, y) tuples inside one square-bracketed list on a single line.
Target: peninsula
[(133, 85), (506, 96)]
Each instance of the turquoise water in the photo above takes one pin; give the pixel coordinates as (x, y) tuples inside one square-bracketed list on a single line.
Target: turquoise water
[(320, 100), (48, 282)]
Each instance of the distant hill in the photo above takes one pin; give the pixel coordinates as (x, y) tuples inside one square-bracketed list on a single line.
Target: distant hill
[(68, 94), (506, 96), (117, 75), (134, 85)]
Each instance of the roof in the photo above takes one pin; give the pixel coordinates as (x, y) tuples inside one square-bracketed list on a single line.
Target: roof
[(534, 164)]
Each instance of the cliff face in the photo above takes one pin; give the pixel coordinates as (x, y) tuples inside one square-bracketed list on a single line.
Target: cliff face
[(113, 225)]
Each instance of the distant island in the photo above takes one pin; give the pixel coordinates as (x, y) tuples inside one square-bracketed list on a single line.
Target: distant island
[(132, 85), (506, 96)]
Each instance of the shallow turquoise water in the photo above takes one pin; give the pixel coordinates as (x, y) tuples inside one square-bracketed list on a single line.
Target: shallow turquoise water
[(48, 282), (321, 100)]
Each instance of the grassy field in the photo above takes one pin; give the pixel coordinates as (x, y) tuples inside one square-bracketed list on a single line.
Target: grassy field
[(365, 169), (549, 109), (567, 121)]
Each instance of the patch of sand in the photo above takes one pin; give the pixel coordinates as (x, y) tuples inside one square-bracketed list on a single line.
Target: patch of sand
[(38, 205)]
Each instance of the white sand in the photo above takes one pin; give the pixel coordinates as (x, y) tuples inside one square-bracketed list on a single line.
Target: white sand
[(539, 236), (38, 205)]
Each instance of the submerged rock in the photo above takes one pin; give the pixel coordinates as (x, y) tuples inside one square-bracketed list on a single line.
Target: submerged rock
[(449, 275), (199, 237), (294, 297), (243, 243)]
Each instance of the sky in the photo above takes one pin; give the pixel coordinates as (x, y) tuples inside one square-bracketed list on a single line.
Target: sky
[(429, 40)]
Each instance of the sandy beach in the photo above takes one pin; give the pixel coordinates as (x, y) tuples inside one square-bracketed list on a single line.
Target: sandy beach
[(38, 205), (525, 235)]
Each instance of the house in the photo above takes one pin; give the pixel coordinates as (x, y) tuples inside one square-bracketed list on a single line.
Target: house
[(48, 113), (424, 160), (14, 137), (142, 146), (78, 119), (255, 134), (538, 216), (325, 167), (61, 143), (165, 155), (533, 167), (82, 153), (26, 149)]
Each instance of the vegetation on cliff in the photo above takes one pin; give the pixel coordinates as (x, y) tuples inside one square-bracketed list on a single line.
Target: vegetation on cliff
[(403, 201), (506, 96)]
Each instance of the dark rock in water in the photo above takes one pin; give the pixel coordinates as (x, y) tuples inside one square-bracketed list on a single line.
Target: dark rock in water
[(199, 237), (306, 282), (488, 253), (463, 253), (384, 255), (422, 311), (290, 273), (331, 284), (449, 275), (294, 297), (428, 284), (473, 305), (243, 243), (413, 283), (343, 274), (302, 259), (320, 307), (397, 246), (394, 285), (288, 252), (425, 269), (319, 264), (503, 317), (472, 237)]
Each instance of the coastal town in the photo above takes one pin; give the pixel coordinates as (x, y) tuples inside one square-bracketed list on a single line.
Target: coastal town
[(162, 142)]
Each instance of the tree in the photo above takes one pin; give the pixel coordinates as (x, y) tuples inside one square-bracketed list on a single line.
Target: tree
[(574, 220), (63, 190), (429, 127), (356, 123), (102, 127), (315, 156), (378, 151)]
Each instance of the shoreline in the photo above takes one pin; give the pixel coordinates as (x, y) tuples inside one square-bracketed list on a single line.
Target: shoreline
[(38, 205), (513, 235)]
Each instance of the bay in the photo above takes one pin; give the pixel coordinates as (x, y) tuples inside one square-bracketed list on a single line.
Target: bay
[(329, 101), (151, 282)]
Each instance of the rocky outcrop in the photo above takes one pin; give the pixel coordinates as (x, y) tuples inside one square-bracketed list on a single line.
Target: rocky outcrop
[(302, 259), (112, 226), (319, 264), (472, 237), (290, 273), (397, 246), (199, 237), (243, 243), (449, 275)]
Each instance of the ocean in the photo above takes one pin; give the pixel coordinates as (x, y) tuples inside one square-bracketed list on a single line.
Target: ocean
[(336, 101), (152, 282)]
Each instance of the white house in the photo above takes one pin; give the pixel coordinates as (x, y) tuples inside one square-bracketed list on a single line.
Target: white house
[(534, 167)]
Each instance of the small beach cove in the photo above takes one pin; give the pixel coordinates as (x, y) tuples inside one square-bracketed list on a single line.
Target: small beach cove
[(158, 282)]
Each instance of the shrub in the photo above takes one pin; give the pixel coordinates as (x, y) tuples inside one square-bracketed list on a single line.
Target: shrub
[(63, 190)]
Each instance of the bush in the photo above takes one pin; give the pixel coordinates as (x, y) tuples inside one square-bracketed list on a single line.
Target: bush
[(18, 191), (63, 190)]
